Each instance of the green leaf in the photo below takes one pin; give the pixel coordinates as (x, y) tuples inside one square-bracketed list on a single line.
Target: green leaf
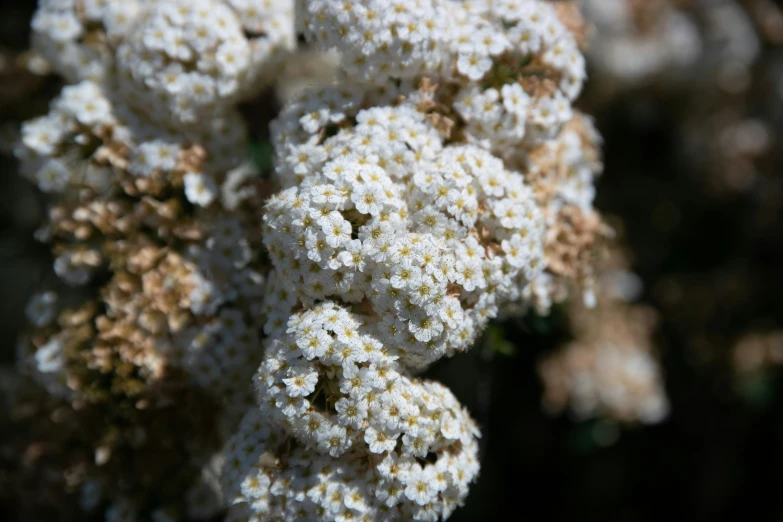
[(494, 338), (261, 154)]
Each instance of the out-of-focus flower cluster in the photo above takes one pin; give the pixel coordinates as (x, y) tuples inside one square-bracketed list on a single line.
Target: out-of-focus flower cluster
[(151, 328), (143, 212), (722, 107), (671, 42), (610, 369), (65, 462), (185, 58), (758, 351), (709, 55), (445, 179)]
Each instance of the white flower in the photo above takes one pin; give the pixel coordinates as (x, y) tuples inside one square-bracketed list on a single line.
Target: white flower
[(41, 308), (292, 406), (301, 384), (389, 492), (42, 135), (315, 344), (380, 441), (336, 441), (420, 488), (255, 485), (473, 65), (351, 412), (515, 99), (368, 198), (337, 231), (50, 357), (403, 276), (64, 26), (424, 327), (355, 385), (353, 257), (53, 176), (200, 189), (87, 103)]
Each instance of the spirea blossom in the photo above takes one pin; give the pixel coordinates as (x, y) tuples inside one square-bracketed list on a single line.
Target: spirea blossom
[(111, 172), (372, 443), (154, 309), (187, 59), (76, 37), (519, 110), (493, 52), (611, 368), (443, 181), (424, 194), (704, 43), (431, 238)]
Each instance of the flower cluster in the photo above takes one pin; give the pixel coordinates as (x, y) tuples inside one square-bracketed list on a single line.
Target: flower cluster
[(185, 60), (155, 304), (756, 352), (157, 285), (120, 169), (76, 37), (516, 105), (178, 62), (432, 238), (671, 42), (515, 65), (610, 369), (423, 195), (89, 127), (421, 182), (371, 443)]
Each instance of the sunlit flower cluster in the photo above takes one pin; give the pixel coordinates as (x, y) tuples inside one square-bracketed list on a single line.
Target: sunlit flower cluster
[(515, 66), (423, 195), (370, 442), (431, 238), (505, 76)]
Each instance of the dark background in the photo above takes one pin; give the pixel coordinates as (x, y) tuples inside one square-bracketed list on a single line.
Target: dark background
[(712, 264)]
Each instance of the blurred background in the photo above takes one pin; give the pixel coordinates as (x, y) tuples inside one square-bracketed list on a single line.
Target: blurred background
[(688, 95)]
